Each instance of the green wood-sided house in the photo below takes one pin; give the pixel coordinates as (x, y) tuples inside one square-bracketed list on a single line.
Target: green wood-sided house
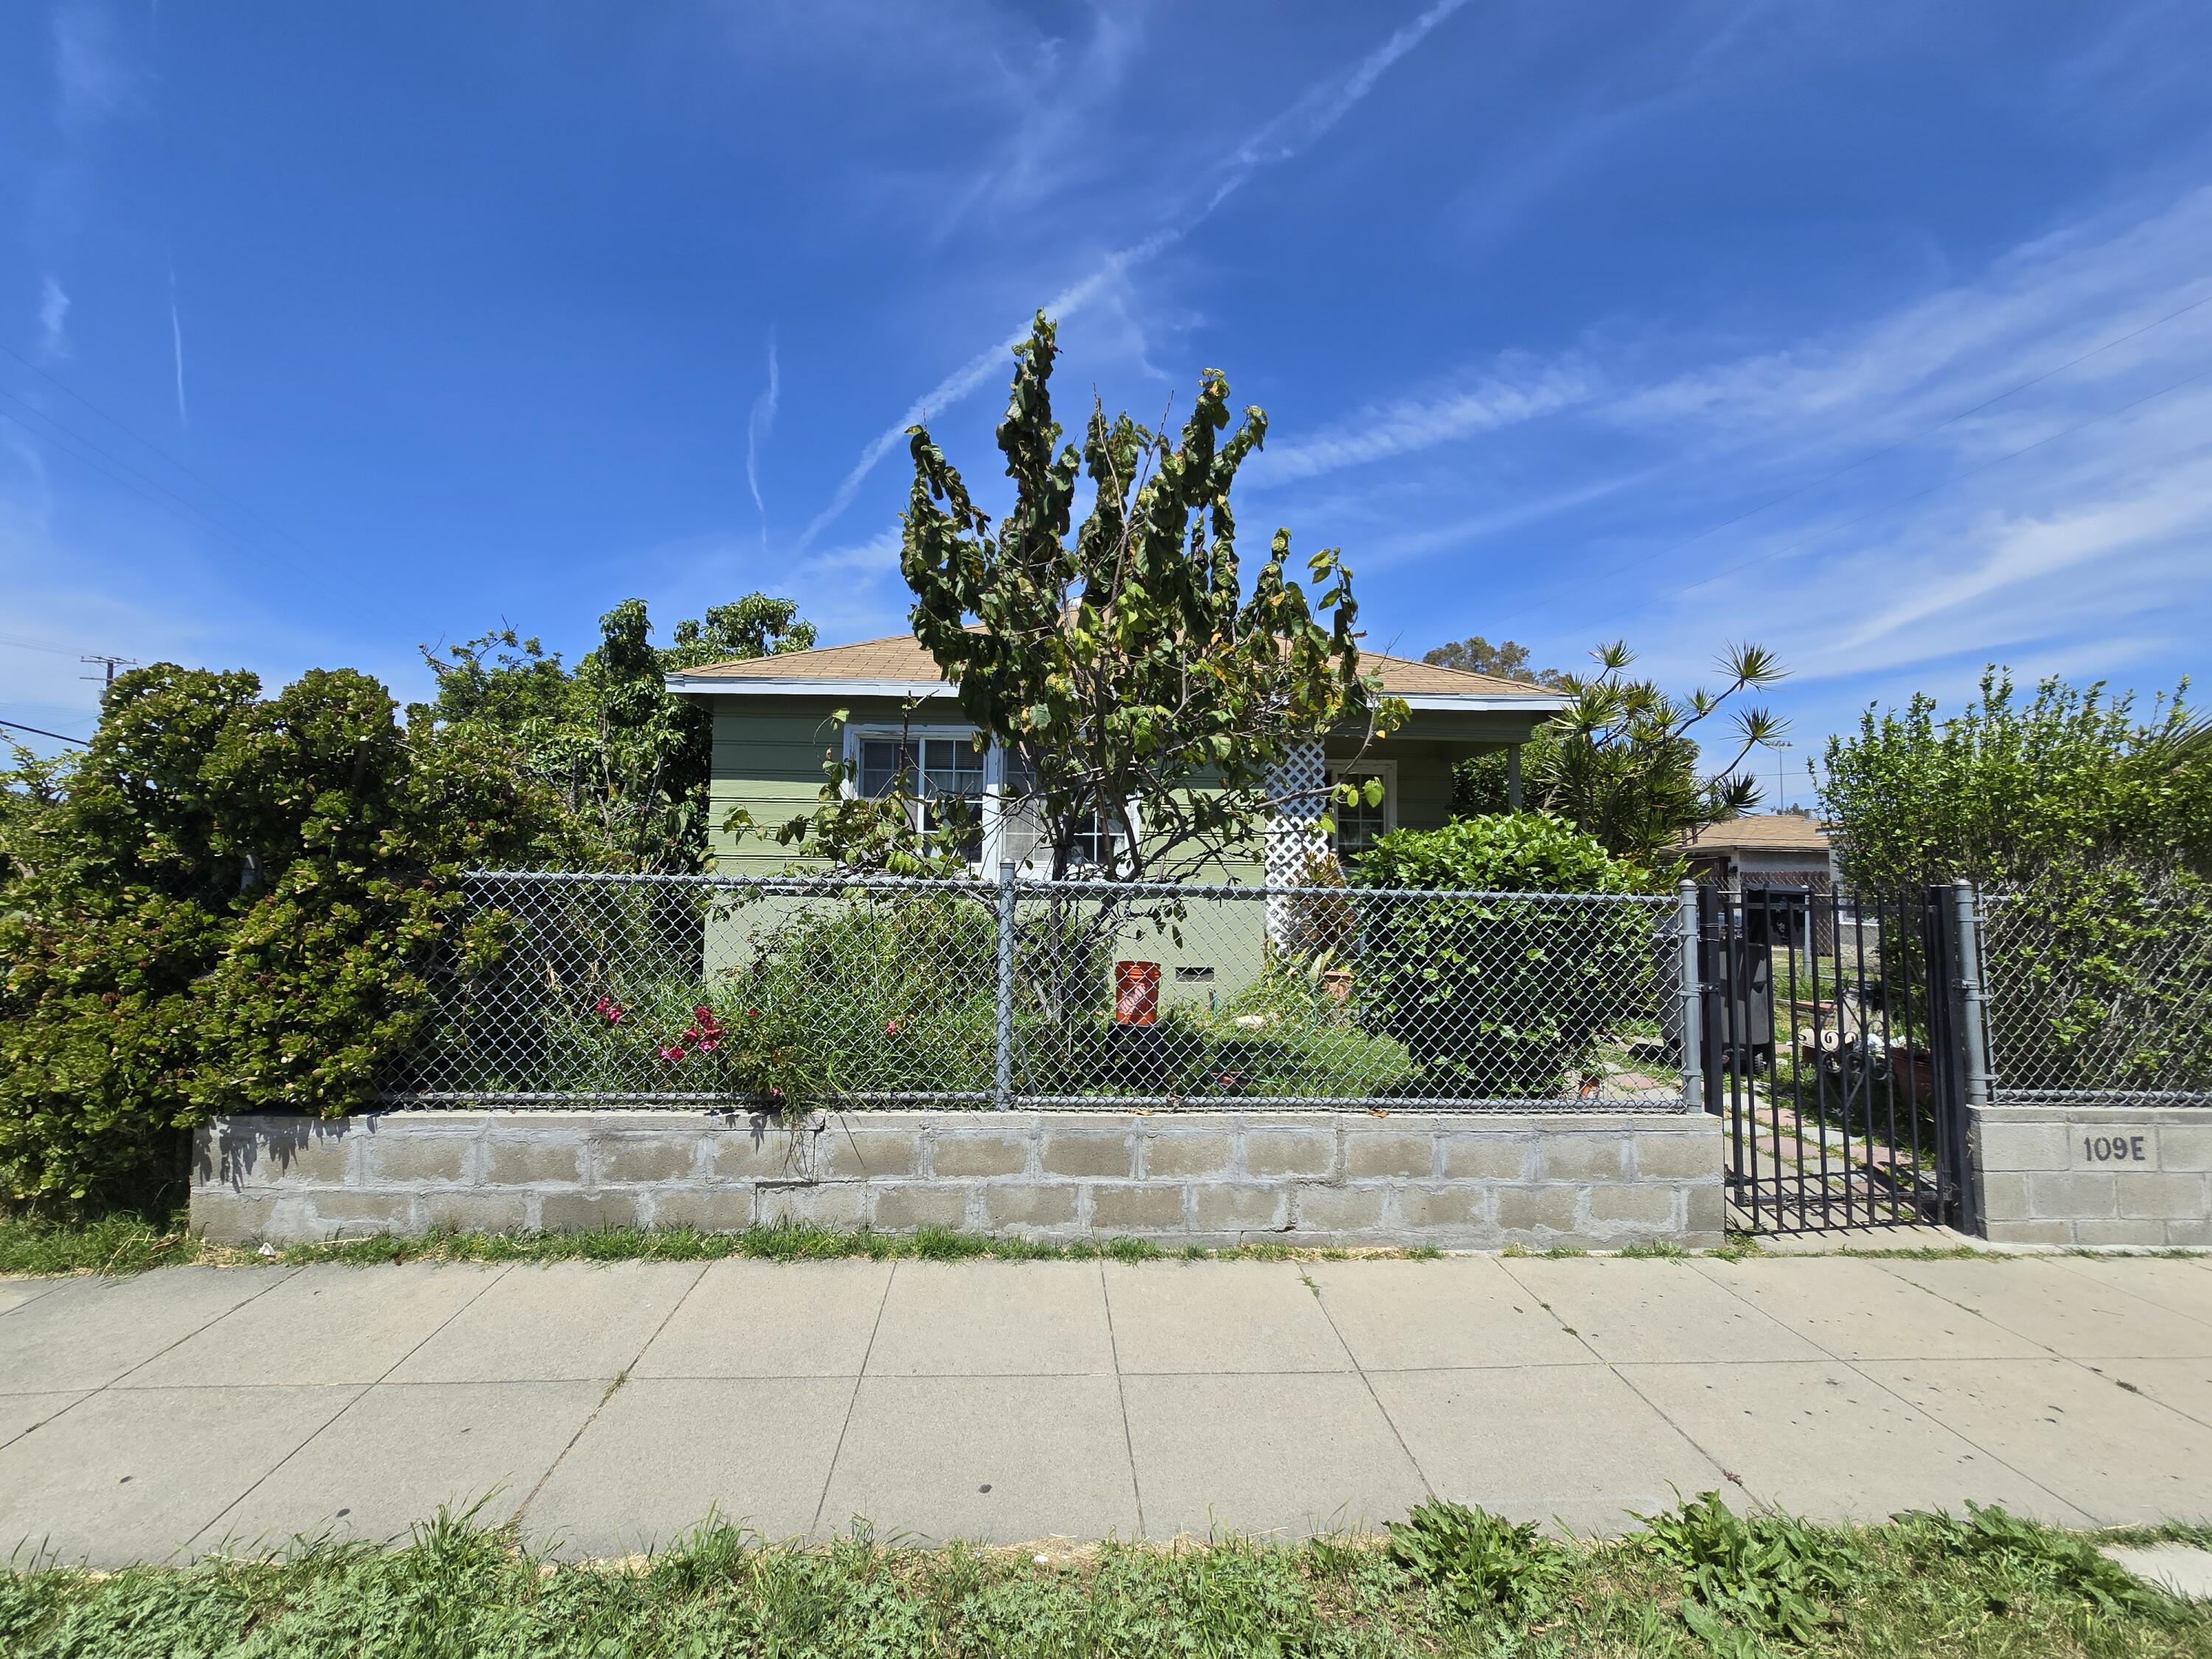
[(776, 723)]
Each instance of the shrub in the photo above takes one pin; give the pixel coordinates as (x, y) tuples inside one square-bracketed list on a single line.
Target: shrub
[(228, 904), (1497, 995)]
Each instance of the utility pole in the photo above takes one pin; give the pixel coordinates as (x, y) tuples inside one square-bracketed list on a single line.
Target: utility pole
[(1780, 765), (111, 664)]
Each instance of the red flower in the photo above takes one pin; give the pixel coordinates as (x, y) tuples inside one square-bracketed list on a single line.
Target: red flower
[(752, 1013), (673, 1053), (609, 1009), (707, 1041)]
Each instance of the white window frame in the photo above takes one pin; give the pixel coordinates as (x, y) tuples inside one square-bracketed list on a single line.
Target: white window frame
[(994, 781), (1339, 771), (907, 732)]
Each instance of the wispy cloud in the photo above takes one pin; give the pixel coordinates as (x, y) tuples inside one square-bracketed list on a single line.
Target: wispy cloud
[(90, 75), (758, 425), (1280, 139), (1520, 390), (53, 320), (177, 344)]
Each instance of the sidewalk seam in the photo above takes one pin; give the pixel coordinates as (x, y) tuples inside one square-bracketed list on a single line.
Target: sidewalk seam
[(91, 1393), (359, 1395), (593, 1416), (2091, 1278), (853, 1401), (2065, 1359), (1627, 1383), (1121, 1395), (1368, 1382), (1854, 1367)]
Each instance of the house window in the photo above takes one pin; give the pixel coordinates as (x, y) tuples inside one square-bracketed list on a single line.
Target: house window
[(1025, 836), (1357, 824), (939, 768)]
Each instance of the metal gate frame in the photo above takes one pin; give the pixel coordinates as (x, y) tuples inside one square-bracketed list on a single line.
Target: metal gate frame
[(1879, 1047)]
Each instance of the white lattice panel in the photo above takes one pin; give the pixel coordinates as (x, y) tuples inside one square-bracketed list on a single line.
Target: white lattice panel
[(1294, 838)]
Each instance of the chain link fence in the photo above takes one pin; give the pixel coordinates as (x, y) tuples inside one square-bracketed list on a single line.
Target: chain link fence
[(2100, 992), (573, 989)]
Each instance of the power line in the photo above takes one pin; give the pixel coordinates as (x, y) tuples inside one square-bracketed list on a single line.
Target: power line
[(1763, 558), (238, 535), (1874, 455), (35, 645), (63, 387), (59, 737)]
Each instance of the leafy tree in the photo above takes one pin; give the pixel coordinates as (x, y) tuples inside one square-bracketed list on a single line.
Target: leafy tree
[(1507, 661), (230, 903), (2005, 789), (1623, 763), (629, 761), (2092, 827), (1120, 662)]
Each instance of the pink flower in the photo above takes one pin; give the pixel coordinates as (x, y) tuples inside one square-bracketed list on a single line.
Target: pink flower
[(610, 1011), (673, 1053), (707, 1041), (890, 1028)]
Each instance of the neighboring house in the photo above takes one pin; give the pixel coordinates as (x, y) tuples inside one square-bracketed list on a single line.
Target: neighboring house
[(1767, 849), (775, 724), (1784, 852)]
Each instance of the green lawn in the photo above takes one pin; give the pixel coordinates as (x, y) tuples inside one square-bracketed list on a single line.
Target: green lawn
[(1448, 1582)]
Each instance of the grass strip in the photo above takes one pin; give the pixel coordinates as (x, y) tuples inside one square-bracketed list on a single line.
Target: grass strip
[(1446, 1581), (128, 1244), (122, 1244)]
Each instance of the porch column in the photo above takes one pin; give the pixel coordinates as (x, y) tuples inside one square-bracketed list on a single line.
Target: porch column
[(1513, 777)]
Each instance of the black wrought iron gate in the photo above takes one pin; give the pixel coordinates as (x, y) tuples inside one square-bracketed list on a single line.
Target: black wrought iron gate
[(1830, 1042)]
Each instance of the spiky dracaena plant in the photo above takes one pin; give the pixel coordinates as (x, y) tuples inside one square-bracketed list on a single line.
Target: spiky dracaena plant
[(1623, 761)]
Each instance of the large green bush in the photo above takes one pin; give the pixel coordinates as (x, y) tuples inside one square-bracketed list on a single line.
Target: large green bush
[(1499, 995), (227, 903), (2091, 828)]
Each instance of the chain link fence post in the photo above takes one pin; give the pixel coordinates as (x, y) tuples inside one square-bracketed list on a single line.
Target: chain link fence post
[(1973, 1034), (1691, 995), (1002, 1087)]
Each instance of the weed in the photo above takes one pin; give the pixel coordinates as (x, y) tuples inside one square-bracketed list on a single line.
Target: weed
[(1740, 1247), (1482, 1564), (2038, 1559), (1658, 1249), (1763, 1573)]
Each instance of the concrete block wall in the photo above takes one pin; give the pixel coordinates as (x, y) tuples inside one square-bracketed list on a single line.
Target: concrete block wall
[(1593, 1180), (2094, 1174)]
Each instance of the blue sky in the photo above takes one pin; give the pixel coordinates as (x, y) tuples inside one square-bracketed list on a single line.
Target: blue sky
[(332, 330)]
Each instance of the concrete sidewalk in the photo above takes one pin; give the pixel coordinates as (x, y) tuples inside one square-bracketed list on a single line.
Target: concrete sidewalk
[(159, 1417)]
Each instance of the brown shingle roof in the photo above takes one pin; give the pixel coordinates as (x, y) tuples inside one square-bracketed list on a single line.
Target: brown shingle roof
[(901, 656), (1764, 832)]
